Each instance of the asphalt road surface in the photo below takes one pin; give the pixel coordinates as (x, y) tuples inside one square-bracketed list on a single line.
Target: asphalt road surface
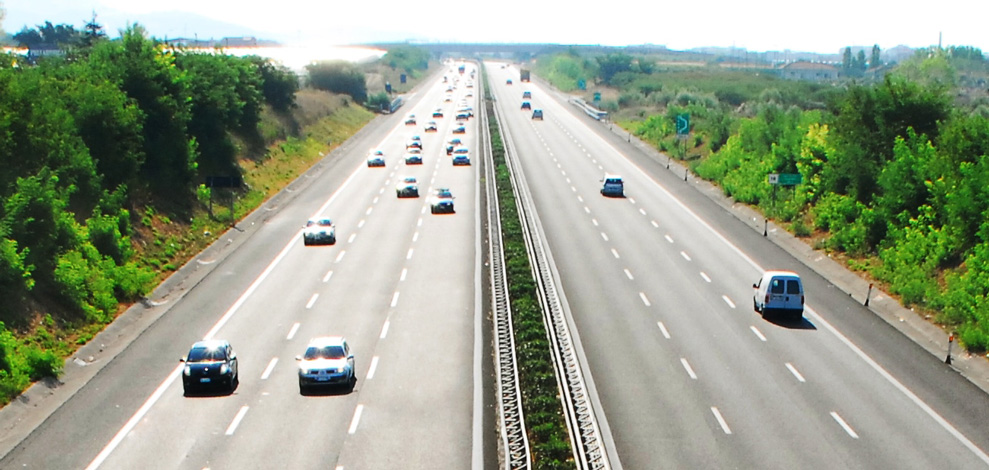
[(659, 287)]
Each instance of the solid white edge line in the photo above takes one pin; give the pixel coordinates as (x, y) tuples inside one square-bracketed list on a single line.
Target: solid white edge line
[(312, 300), (291, 332), (236, 421), (757, 333), (662, 328), (357, 419), (721, 420), (728, 301), (645, 300), (267, 370), (384, 330), (374, 367), (844, 425), (686, 365), (795, 372)]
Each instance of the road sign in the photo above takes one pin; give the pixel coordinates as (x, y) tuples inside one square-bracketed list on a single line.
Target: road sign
[(402, 78), (683, 124), (581, 84), (786, 179), (597, 96)]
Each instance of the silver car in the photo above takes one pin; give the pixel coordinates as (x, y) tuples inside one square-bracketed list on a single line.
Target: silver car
[(407, 187), (319, 232), (327, 361)]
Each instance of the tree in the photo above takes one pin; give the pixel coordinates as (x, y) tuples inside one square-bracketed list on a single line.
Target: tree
[(92, 32), (612, 64), (860, 63), (875, 60), (846, 59), (49, 36), (278, 83), (338, 77)]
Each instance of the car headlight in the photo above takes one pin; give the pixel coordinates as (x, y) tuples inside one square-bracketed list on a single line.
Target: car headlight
[(224, 369), (187, 371), (304, 371)]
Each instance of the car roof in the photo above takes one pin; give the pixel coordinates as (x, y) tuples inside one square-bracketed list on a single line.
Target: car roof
[(320, 341), (780, 273), (211, 344)]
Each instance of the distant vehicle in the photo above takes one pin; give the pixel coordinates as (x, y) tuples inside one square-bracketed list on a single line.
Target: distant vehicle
[(407, 187), (523, 75), (779, 292), (376, 158), (319, 232), (210, 364), (462, 68), (508, 82), (413, 159), (527, 95), (462, 116), (438, 113), (442, 201), (410, 120), (537, 114), (461, 159), (414, 144), (452, 144), (327, 361), (461, 150), (613, 186), (431, 126), (459, 130), (526, 105)]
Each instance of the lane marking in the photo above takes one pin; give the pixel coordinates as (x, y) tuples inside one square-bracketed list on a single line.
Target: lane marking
[(360, 224), (595, 222), (384, 330), (236, 421), (356, 420), (291, 332), (793, 370), (394, 299), (615, 252), (374, 367), (352, 237), (757, 333), (415, 237), (375, 201), (631, 200), (312, 300), (419, 222), (604, 236), (328, 275), (654, 224), (690, 371), (704, 275), (404, 272), (685, 255), (844, 425), (721, 420), (728, 301), (642, 211), (662, 328), (340, 256), (587, 210), (642, 296), (579, 198), (267, 370), (629, 275), (368, 211), (409, 254), (669, 238)]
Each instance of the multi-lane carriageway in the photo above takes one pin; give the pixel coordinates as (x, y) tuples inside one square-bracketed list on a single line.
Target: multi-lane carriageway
[(657, 288)]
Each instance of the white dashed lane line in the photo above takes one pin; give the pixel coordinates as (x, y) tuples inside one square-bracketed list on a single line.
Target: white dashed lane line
[(662, 328), (642, 211), (704, 275), (685, 255), (645, 300), (405, 271), (239, 417), (587, 210), (340, 256), (721, 420), (615, 252), (375, 201), (690, 370), (795, 372), (595, 222), (409, 255), (374, 367), (629, 275), (357, 419), (384, 329), (415, 237), (368, 211), (292, 331), (757, 333), (604, 236), (312, 300), (669, 238), (728, 301), (844, 425), (352, 237), (394, 299), (328, 275), (360, 224), (631, 200), (267, 370), (654, 224)]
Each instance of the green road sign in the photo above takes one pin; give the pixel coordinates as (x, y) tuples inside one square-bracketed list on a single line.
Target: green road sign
[(786, 179), (683, 124), (597, 96)]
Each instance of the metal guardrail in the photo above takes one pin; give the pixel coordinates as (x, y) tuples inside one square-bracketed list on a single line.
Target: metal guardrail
[(515, 440), (590, 110), (585, 434)]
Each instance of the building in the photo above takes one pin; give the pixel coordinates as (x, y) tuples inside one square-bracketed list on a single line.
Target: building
[(810, 71)]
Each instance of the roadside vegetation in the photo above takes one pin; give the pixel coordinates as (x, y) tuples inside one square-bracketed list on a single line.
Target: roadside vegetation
[(547, 430), (106, 150), (895, 168)]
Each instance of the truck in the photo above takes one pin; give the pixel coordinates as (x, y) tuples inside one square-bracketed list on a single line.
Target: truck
[(523, 75)]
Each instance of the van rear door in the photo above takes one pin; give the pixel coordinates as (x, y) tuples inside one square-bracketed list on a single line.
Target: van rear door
[(794, 294)]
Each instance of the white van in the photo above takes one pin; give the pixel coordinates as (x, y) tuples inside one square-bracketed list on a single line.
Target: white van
[(779, 292), (613, 186)]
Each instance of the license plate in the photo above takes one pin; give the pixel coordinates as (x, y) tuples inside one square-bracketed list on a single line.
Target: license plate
[(322, 379), (205, 380)]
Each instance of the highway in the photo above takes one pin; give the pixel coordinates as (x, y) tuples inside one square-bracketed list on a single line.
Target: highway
[(658, 285), (401, 284)]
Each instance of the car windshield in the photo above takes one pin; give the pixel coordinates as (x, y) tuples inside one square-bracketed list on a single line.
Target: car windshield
[(410, 180), (207, 355), (321, 223), (325, 352)]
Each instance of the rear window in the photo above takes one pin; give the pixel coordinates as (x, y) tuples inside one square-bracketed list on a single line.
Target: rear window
[(613, 181), (777, 286), (792, 286)]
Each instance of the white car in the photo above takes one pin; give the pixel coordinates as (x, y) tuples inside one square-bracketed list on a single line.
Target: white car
[(442, 201), (319, 232), (327, 361), (407, 187), (376, 158)]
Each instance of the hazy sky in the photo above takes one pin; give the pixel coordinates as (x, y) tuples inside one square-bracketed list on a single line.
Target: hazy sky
[(757, 25)]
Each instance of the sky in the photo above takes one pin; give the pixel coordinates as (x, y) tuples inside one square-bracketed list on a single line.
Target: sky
[(756, 25)]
